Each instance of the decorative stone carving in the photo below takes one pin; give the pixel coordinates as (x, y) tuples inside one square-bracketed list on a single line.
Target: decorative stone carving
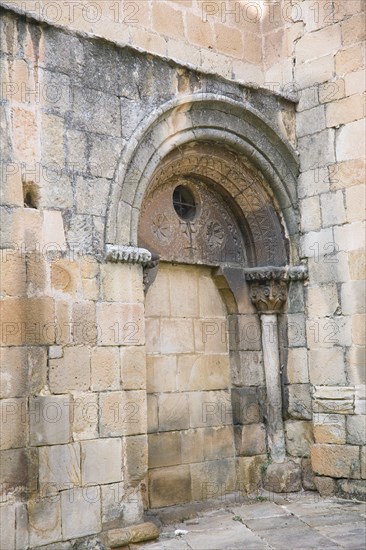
[(236, 222), (268, 285), (287, 273), (270, 296), (211, 236), (127, 254)]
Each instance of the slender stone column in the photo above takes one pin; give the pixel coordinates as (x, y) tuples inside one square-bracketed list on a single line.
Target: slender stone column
[(271, 360), (269, 297)]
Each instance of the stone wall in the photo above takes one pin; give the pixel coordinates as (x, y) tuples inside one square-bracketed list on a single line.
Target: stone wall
[(219, 38), (322, 52)]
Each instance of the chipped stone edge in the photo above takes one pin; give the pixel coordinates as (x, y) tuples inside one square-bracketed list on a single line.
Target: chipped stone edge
[(127, 254)]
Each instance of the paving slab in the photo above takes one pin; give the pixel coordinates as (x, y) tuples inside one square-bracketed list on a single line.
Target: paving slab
[(287, 522)]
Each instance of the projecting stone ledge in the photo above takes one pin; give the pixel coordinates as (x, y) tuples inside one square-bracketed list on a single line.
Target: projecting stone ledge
[(274, 273), (127, 254)]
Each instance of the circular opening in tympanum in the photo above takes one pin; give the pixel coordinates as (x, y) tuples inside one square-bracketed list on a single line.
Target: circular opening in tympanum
[(184, 203)]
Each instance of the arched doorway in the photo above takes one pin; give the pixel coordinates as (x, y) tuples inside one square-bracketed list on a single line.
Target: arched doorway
[(205, 379)]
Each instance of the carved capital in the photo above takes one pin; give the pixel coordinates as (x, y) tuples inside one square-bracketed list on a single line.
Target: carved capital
[(269, 296)]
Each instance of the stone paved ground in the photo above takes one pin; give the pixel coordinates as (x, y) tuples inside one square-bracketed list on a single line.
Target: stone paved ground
[(283, 523)]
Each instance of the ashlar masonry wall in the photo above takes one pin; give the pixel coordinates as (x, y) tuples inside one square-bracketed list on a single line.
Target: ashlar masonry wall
[(322, 52)]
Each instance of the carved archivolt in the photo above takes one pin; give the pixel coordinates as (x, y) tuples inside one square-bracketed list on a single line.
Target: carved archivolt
[(234, 223)]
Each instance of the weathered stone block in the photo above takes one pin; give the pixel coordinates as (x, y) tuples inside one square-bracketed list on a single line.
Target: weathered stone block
[(317, 149), (7, 520), (297, 366), (136, 448), (72, 371), (244, 332), (356, 429), (329, 428), (28, 321), (351, 489), (44, 521), (49, 419), (353, 297), (122, 413), (203, 372), (319, 43), (105, 368), (65, 276), (218, 442), (192, 445), (307, 475), (157, 302), (250, 440), (326, 486), (322, 300), (59, 467), (152, 413), (122, 283), (164, 449), (19, 471), (167, 21), (355, 203), (120, 324), (310, 213), (210, 301), (176, 336), (53, 140), (108, 466), (95, 111), (85, 417), (211, 408), (353, 29), (173, 411), (245, 406), (350, 142), (104, 155), (133, 368), (299, 401), (212, 479), (363, 463), (344, 111), (13, 274), (13, 372), (183, 304), (210, 335), (247, 368), (84, 329), (113, 496), (168, 486), (283, 478), (299, 437), (311, 121), (250, 473), (327, 366), (80, 515), (162, 372), (336, 460)]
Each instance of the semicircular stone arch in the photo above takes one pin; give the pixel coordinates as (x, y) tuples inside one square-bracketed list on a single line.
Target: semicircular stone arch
[(236, 223), (260, 177)]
